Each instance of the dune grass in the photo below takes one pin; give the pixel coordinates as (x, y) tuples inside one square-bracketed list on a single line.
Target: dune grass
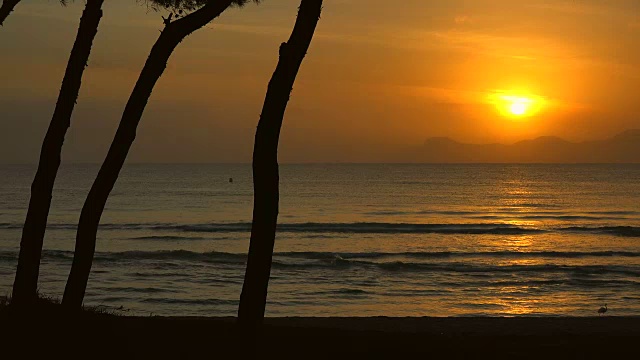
[(51, 304)]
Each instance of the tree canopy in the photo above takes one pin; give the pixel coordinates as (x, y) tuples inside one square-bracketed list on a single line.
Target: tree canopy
[(179, 5), (186, 5)]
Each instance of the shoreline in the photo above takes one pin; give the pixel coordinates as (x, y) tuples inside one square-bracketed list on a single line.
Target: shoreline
[(335, 337)]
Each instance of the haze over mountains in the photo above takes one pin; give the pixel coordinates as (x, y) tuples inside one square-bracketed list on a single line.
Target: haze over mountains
[(622, 148)]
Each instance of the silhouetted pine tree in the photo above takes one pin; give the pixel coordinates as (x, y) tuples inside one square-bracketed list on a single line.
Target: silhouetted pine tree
[(26, 281), (173, 33), (6, 9), (8, 5), (265, 166)]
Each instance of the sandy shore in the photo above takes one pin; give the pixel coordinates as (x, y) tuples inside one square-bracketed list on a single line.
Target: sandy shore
[(606, 337)]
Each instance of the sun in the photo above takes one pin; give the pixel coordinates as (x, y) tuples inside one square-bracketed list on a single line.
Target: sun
[(518, 106), (514, 106)]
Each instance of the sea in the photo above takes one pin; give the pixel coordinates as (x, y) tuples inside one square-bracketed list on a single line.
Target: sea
[(352, 240)]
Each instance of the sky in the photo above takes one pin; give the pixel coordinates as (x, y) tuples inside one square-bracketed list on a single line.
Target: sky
[(380, 76)]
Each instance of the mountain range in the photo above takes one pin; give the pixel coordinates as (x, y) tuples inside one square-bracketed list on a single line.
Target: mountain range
[(622, 148)]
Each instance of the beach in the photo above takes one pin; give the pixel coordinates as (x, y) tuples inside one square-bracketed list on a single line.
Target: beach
[(111, 336)]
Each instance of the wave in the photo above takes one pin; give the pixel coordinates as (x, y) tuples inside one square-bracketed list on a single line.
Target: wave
[(359, 228), (212, 256), (386, 228), (463, 268), (323, 228), (8, 256), (571, 281), (402, 261), (215, 255), (181, 263), (624, 231), (401, 228), (162, 255), (547, 217), (190, 301), (224, 257), (491, 269), (459, 254), (353, 228), (510, 213), (167, 237)]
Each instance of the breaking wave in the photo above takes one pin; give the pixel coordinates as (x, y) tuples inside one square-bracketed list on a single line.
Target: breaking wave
[(350, 228)]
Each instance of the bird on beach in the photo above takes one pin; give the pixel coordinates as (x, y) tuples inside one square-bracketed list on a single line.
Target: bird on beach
[(602, 310)]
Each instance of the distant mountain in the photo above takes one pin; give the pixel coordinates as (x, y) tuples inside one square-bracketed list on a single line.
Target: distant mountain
[(622, 148)]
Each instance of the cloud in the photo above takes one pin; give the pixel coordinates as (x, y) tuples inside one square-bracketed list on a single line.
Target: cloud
[(267, 30), (500, 45), (572, 7), (462, 19)]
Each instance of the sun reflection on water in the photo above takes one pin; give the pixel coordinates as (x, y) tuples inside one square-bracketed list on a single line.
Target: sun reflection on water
[(512, 242), (514, 307)]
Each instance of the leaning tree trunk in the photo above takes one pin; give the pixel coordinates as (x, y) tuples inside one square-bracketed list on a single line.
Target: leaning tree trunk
[(6, 9), (265, 166), (170, 37), (26, 282)]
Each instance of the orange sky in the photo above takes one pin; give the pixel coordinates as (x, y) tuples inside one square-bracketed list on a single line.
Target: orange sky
[(378, 77)]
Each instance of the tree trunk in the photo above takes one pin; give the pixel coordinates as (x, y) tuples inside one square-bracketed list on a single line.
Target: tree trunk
[(155, 65), (265, 166), (6, 9), (26, 281)]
